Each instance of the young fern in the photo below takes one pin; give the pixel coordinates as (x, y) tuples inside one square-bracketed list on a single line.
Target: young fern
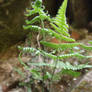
[(60, 32)]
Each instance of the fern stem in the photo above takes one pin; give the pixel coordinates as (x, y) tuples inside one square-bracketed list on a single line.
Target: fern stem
[(43, 34), (56, 62), (38, 42)]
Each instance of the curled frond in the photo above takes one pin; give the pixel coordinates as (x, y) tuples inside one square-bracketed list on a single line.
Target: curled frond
[(36, 19), (50, 55), (67, 65), (63, 65)]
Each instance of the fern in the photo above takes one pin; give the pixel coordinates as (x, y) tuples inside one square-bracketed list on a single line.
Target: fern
[(59, 31)]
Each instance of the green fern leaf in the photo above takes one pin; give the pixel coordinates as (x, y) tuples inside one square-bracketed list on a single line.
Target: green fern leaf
[(86, 47), (62, 65), (50, 55), (60, 24), (60, 19), (36, 19), (61, 45), (90, 42), (70, 72), (38, 3), (30, 12), (60, 30), (68, 66), (26, 49), (32, 27), (60, 36)]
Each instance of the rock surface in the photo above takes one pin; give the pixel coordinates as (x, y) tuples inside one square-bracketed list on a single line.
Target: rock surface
[(11, 22), (80, 19), (85, 85)]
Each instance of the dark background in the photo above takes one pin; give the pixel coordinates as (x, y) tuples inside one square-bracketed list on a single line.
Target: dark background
[(79, 13)]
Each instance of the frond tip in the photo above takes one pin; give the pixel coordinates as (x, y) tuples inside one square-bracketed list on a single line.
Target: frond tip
[(60, 20)]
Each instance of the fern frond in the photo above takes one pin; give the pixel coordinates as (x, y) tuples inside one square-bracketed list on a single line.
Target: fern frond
[(65, 45), (60, 19), (60, 36), (61, 31), (32, 27), (30, 12), (37, 28), (50, 32), (38, 3), (50, 55), (44, 16), (26, 49), (62, 65), (70, 72), (90, 42), (77, 55), (59, 23), (61, 45), (68, 66), (36, 8), (86, 47), (36, 19)]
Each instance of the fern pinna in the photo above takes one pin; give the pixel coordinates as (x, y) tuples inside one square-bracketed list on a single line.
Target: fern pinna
[(59, 31)]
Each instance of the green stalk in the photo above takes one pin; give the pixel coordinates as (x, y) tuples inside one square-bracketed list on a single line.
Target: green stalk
[(43, 34), (56, 62)]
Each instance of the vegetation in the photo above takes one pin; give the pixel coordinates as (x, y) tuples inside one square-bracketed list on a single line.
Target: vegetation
[(51, 65)]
